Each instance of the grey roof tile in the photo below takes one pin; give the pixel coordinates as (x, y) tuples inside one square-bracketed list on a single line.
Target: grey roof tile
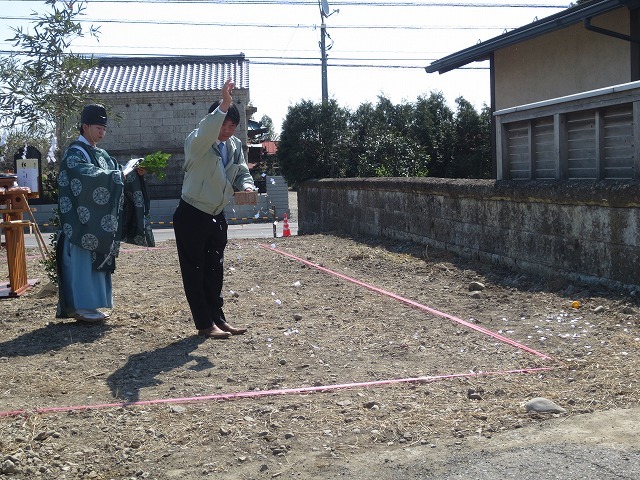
[(167, 74)]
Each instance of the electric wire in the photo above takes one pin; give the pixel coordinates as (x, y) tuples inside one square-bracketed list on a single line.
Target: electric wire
[(336, 3), (296, 62), (273, 25), (353, 62)]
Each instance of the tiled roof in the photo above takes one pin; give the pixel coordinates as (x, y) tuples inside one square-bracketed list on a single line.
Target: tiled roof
[(255, 128), (167, 74)]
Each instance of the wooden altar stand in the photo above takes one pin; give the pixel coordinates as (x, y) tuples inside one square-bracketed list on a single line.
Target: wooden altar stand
[(16, 204)]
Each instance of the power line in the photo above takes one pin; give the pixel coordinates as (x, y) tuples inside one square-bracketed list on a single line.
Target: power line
[(334, 3), (276, 60), (262, 25), (295, 60), (307, 61), (353, 65), (95, 49)]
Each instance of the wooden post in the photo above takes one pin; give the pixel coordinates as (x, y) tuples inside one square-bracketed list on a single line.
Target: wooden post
[(560, 145), (599, 145), (16, 259), (636, 140), (531, 146), (502, 172)]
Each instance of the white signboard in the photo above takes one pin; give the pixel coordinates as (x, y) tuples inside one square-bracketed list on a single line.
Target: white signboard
[(28, 173)]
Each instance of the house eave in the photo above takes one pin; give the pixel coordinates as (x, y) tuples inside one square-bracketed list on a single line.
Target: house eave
[(482, 51)]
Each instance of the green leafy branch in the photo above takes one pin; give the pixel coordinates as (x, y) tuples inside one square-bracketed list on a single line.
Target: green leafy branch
[(156, 164)]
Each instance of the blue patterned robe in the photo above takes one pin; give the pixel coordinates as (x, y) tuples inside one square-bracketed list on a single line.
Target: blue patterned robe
[(97, 209)]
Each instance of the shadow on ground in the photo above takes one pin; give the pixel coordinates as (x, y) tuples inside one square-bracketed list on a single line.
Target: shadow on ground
[(141, 369)]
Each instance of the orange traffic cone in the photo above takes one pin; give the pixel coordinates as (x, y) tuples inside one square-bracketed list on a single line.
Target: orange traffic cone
[(285, 227)]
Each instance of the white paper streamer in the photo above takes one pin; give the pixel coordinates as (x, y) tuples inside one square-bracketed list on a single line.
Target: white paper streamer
[(51, 156)]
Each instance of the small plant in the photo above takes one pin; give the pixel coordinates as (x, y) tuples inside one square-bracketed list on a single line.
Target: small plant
[(156, 164), (50, 263)]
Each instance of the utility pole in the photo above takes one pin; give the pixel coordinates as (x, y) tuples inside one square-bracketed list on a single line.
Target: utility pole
[(324, 13), (325, 87)]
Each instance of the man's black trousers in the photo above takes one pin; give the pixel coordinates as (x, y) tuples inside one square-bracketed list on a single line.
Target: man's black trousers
[(201, 239)]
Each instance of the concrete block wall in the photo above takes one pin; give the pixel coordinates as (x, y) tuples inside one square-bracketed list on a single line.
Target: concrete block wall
[(143, 123), (581, 230), (159, 121)]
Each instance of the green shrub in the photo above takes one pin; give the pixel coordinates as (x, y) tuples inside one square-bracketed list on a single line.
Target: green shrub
[(156, 164), (50, 263)]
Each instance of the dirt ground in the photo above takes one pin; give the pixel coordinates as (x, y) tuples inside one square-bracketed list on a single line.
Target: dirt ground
[(334, 378)]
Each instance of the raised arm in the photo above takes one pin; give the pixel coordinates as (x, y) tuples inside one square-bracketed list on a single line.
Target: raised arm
[(227, 97)]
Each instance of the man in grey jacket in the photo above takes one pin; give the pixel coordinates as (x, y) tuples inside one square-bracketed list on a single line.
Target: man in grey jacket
[(214, 167)]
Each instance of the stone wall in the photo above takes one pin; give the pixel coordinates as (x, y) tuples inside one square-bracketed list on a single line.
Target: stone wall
[(583, 231)]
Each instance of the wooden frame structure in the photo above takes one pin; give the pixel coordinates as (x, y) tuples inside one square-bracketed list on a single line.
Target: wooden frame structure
[(13, 223)]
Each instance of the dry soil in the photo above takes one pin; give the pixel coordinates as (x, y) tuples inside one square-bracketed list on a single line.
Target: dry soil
[(363, 359)]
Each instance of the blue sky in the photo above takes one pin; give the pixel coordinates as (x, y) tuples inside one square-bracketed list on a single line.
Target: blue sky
[(281, 40)]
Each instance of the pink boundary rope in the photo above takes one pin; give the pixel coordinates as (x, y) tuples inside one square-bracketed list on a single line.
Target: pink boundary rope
[(326, 388), (265, 393), (486, 331)]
